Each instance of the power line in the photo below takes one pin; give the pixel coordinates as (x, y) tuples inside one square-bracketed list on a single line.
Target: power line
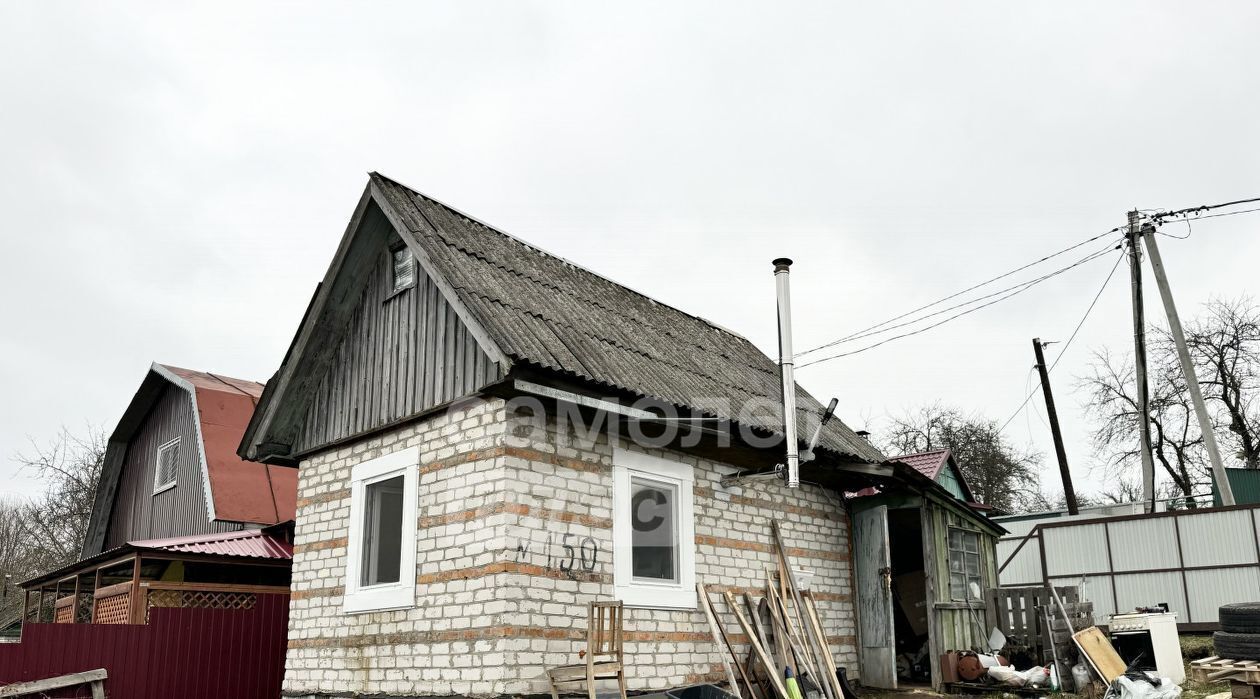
[(1067, 344), (1014, 290), (866, 331), (968, 302), (1198, 210)]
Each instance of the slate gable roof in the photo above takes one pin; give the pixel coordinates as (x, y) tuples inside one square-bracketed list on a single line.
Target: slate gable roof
[(544, 311)]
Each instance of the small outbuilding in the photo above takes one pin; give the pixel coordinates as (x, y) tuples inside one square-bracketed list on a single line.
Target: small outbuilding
[(924, 560)]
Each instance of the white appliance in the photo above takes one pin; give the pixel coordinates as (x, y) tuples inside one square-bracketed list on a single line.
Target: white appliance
[(1152, 634)]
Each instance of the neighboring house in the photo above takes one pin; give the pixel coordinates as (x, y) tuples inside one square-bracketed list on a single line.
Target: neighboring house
[(172, 484), (468, 414), (171, 467), (186, 540), (925, 562)]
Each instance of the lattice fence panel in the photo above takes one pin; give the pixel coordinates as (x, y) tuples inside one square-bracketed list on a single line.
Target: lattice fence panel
[(112, 610), (64, 612), (200, 599)]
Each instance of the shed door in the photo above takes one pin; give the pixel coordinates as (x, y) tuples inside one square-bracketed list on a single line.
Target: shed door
[(874, 593)]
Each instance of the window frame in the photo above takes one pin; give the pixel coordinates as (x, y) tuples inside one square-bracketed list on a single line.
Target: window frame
[(967, 578), (360, 598), (632, 465), (158, 485), (394, 289)]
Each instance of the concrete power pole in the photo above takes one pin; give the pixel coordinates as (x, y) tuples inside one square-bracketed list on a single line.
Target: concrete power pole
[(1187, 367), (1069, 494), (1139, 351)]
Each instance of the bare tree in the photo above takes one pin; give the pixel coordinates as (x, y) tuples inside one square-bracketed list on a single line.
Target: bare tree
[(999, 474), (1112, 403), (55, 524), (1224, 343)]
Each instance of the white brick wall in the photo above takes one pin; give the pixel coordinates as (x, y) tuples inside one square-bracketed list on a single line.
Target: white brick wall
[(498, 600)]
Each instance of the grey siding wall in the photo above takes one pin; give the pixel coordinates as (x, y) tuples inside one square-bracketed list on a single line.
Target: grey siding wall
[(179, 511), (400, 355)]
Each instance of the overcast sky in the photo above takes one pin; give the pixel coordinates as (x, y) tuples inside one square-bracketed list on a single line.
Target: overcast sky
[(174, 178)]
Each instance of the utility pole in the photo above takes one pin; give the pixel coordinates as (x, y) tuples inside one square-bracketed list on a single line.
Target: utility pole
[(1187, 367), (1069, 494), (1133, 234)]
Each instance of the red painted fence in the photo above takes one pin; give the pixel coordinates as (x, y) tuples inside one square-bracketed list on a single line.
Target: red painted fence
[(188, 653)]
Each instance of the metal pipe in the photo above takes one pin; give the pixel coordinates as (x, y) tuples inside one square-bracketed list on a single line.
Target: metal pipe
[(783, 292)]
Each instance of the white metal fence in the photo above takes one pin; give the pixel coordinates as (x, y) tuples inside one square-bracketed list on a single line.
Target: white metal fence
[(1194, 560)]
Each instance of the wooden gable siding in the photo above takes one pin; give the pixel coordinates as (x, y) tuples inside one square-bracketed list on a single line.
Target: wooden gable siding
[(400, 355), (179, 511)]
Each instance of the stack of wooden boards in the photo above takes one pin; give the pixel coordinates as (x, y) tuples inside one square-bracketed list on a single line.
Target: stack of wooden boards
[(784, 631)]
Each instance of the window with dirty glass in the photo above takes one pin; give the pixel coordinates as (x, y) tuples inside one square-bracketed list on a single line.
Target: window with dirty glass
[(404, 265), (964, 566), (382, 532), (654, 536)]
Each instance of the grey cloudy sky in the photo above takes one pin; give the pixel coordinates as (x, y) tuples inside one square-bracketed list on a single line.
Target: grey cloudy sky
[(174, 177)]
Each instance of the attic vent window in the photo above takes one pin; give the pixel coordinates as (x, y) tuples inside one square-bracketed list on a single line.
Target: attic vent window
[(166, 467), (404, 264)]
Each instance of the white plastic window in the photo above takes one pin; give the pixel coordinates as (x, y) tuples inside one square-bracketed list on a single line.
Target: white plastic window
[(381, 556), (654, 546)]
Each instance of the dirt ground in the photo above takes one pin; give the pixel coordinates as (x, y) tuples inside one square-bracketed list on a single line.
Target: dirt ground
[(1192, 648)]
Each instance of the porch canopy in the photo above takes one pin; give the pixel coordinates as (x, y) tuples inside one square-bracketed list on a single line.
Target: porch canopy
[(119, 586)]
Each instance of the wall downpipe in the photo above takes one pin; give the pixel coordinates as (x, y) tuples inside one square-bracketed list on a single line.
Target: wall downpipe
[(784, 295)]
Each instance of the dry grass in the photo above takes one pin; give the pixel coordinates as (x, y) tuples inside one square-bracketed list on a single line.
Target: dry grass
[(1195, 648)]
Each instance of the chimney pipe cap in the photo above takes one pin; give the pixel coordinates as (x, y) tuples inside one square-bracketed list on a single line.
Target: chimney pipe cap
[(781, 264)]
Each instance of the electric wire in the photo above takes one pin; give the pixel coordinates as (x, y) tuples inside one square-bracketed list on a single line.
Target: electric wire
[(969, 302), (1034, 263), (1198, 210), (1067, 344), (1013, 291)]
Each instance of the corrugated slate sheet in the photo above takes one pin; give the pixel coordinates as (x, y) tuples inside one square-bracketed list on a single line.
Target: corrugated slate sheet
[(545, 311)]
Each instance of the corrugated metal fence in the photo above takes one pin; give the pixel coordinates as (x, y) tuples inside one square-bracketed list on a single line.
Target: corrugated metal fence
[(189, 653), (1194, 560)]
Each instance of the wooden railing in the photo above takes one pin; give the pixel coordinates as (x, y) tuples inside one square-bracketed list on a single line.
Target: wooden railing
[(130, 602), (63, 610), (112, 604)]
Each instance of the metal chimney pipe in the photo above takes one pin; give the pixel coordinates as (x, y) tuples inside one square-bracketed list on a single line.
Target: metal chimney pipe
[(783, 292)]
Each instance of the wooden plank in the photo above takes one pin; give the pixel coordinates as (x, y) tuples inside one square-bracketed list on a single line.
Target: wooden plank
[(1094, 645), (215, 587), (765, 660), (60, 682), (785, 569), (719, 639), (829, 661)]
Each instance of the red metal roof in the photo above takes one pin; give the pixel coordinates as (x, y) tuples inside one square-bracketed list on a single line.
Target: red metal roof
[(243, 491), (246, 544), (929, 463)]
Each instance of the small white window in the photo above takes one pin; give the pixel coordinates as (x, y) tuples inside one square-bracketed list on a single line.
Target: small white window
[(381, 556), (164, 472), (404, 265), (654, 544)]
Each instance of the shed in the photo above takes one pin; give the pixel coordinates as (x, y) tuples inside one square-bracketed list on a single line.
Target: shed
[(924, 559)]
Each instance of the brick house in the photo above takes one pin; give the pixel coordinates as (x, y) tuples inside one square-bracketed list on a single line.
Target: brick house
[(489, 436)]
